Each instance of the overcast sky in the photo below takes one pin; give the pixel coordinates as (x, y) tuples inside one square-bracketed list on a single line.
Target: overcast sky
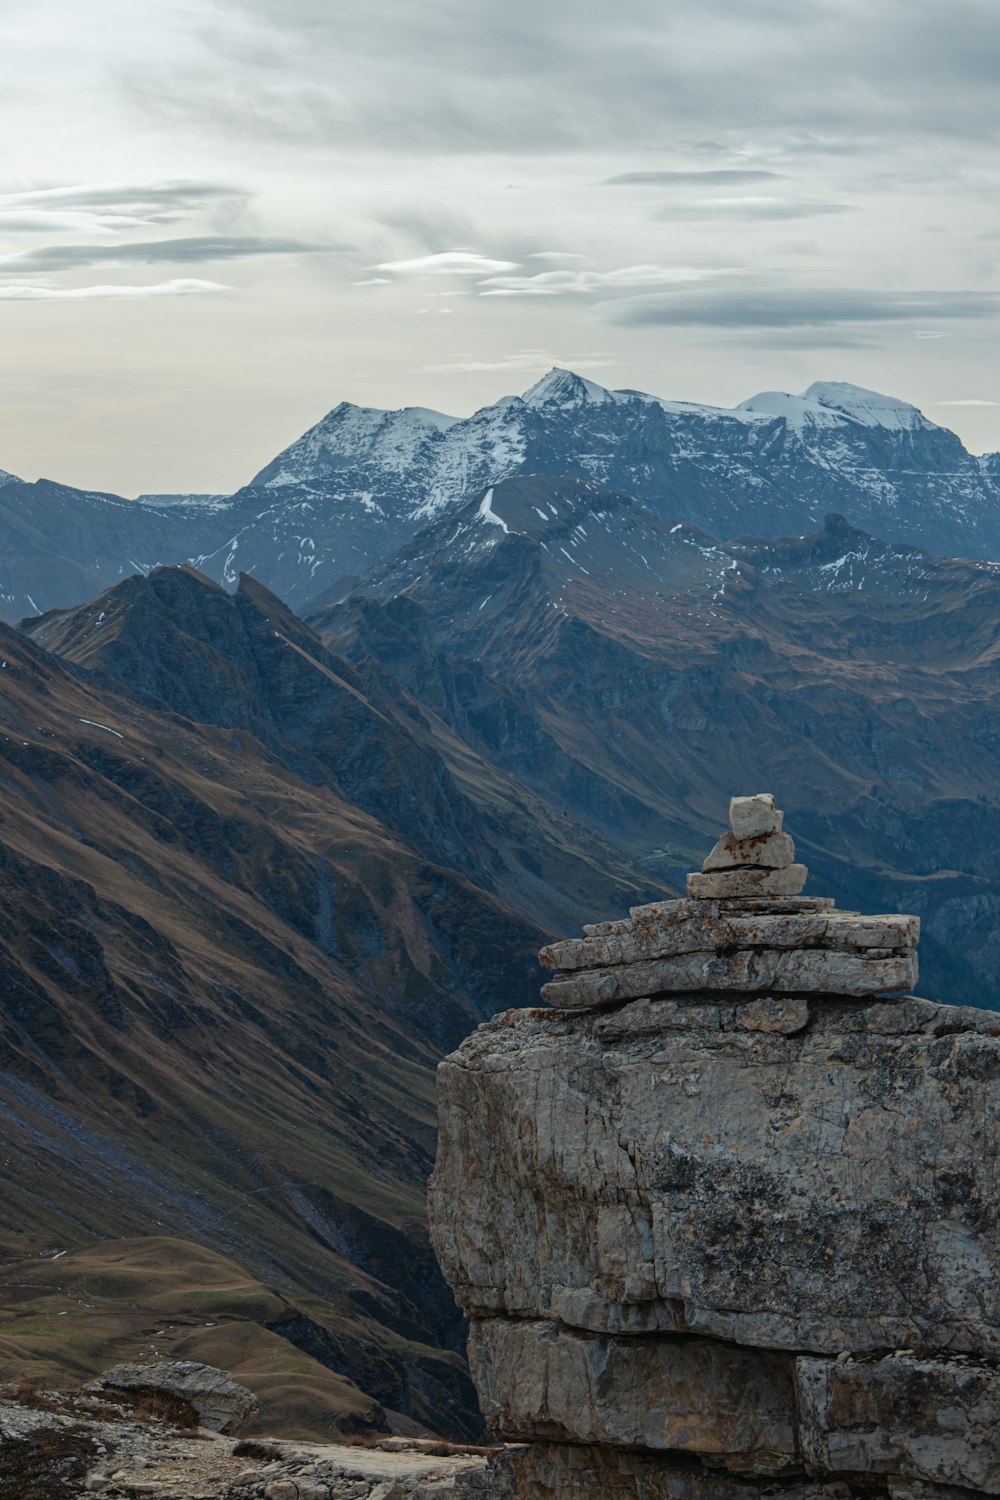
[(218, 218)]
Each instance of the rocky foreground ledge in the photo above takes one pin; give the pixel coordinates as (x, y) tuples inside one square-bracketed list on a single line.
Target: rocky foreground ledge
[(725, 1228), (59, 1446)]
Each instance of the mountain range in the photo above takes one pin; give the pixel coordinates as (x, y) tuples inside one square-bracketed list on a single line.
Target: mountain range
[(355, 487), (634, 673), (260, 869)]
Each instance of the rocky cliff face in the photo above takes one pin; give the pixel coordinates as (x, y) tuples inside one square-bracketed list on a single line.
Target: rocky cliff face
[(722, 1242)]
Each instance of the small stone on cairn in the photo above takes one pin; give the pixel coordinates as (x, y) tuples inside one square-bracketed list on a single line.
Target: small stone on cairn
[(744, 928), (755, 858)]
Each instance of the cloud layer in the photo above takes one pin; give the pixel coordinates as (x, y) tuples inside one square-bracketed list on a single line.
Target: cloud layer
[(112, 292), (416, 202), (803, 307), (196, 251)]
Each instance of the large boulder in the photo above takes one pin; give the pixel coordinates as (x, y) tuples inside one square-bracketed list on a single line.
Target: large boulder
[(219, 1404), (761, 1234), (803, 1173), (730, 1209)]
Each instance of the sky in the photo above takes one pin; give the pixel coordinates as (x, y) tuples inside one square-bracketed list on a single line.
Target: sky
[(219, 218)]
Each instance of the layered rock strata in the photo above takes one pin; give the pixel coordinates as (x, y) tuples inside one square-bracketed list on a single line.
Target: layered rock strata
[(707, 1224), (744, 927)]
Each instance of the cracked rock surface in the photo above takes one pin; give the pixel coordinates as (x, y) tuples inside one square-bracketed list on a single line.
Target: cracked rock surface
[(736, 1239)]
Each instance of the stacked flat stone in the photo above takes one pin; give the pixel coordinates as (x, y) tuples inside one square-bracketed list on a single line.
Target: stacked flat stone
[(745, 927)]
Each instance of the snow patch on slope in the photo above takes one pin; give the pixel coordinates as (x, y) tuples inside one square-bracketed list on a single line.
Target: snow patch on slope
[(797, 412), (487, 513)]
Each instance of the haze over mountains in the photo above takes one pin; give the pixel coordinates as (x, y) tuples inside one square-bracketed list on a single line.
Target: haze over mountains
[(350, 491)]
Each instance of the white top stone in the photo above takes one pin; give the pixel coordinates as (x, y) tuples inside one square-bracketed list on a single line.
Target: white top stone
[(749, 817)]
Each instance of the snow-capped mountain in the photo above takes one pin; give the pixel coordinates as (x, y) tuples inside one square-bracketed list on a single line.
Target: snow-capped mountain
[(774, 464), (358, 484)]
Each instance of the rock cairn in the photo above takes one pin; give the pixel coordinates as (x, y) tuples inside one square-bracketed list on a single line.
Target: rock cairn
[(724, 1221), (745, 927)]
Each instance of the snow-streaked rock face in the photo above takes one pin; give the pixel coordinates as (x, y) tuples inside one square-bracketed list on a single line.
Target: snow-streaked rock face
[(564, 389), (627, 652), (772, 465), (352, 435), (358, 484)]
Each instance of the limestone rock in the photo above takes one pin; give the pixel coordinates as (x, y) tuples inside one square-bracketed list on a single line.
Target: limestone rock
[(755, 970), (661, 1167), (219, 1403), (772, 1013), (772, 851), (754, 882), (687, 1209), (935, 1419), (750, 817), (562, 1471), (667, 928), (693, 1396)]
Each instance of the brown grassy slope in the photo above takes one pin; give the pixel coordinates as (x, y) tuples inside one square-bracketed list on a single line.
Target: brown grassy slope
[(65, 1320), (182, 1051), (229, 957)]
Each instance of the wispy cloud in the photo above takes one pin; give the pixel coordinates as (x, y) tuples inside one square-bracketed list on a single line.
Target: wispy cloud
[(555, 255), (123, 197), (968, 401), (751, 208), (526, 78), (447, 262), (585, 283), (794, 307), (679, 177), (100, 208), (18, 292), (51, 221), (522, 360), (51, 258)]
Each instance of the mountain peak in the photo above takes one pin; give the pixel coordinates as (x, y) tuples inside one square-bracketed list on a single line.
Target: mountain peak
[(870, 408), (417, 416), (834, 403), (351, 434), (564, 388)]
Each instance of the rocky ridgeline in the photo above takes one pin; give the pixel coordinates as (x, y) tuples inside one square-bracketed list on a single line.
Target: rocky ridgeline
[(725, 1222)]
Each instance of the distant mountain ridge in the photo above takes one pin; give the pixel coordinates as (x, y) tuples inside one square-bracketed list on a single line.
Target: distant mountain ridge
[(633, 672), (358, 484)]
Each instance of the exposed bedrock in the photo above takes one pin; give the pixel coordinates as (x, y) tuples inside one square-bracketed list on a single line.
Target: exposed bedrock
[(563, 1471), (718, 1244)]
